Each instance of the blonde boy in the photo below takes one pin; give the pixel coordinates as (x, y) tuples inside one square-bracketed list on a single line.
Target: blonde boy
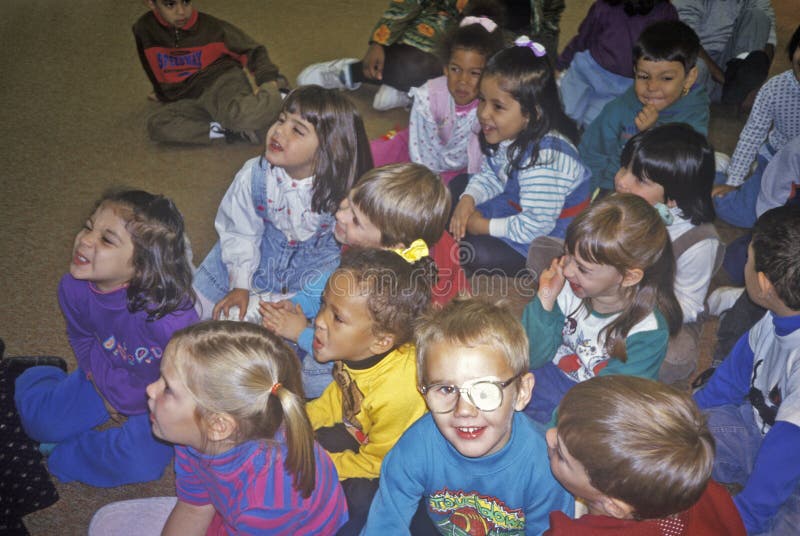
[(476, 460)]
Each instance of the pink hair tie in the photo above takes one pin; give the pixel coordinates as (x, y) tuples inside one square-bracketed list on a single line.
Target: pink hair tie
[(537, 48), (488, 24), (275, 388)]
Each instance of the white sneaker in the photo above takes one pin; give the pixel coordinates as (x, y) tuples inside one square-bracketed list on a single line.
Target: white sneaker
[(723, 299), (721, 162), (388, 97), (329, 74)]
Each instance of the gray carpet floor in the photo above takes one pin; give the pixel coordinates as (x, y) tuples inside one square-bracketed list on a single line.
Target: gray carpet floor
[(73, 114)]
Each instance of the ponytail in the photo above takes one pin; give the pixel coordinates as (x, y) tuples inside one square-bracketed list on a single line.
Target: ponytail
[(300, 460)]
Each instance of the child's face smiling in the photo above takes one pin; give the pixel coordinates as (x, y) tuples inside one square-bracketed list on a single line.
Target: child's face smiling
[(628, 183), (343, 326), (475, 433), (103, 250), (292, 144), (175, 12), (591, 280), (353, 228), (661, 83), (172, 406), (499, 113), (463, 73)]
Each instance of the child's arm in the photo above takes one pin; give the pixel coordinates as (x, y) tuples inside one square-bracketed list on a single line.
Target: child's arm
[(258, 62), (731, 381), (240, 230), (327, 409), (753, 135), (774, 478), (600, 146), (482, 186), (283, 318), (400, 490), (543, 319), (188, 519), (543, 190), (693, 277)]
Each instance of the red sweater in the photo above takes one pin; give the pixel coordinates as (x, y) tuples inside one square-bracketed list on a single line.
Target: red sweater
[(713, 515)]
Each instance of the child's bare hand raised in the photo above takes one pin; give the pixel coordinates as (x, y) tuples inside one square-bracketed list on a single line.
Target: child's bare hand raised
[(551, 281), (239, 297), (646, 118), (458, 222), (283, 318)]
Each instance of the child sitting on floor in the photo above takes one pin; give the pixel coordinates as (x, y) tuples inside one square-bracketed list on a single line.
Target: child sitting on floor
[(365, 326), (639, 455), (664, 74), (475, 459)]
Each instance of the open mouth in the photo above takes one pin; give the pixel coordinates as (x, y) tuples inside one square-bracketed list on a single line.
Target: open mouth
[(470, 432), (274, 146), (79, 260)]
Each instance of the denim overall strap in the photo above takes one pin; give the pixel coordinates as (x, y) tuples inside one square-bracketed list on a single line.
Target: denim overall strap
[(286, 265)]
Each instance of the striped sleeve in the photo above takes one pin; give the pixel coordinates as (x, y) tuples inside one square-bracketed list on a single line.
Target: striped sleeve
[(189, 486), (543, 190)]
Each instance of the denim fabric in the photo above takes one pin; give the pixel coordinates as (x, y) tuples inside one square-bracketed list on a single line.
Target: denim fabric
[(738, 440), (550, 387), (285, 265), (316, 376), (64, 409), (739, 206), (586, 88)]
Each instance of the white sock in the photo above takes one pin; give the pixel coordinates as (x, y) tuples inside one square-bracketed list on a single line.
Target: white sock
[(215, 131)]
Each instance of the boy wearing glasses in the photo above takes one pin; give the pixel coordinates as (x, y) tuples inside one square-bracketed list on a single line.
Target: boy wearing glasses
[(753, 399), (476, 460)]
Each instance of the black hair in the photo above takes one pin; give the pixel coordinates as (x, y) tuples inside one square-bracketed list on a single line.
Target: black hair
[(531, 82), (681, 160), (776, 246), (635, 7), (343, 154), (162, 280), (474, 36), (668, 40), (794, 42), (397, 292)]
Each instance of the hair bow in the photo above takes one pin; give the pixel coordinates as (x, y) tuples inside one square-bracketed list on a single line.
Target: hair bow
[(664, 212), (537, 48), (414, 252), (488, 24)]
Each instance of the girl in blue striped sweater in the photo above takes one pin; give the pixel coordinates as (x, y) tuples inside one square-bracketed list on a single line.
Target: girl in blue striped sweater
[(531, 181)]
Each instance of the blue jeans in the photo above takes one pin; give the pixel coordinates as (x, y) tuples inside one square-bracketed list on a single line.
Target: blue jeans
[(550, 387), (738, 440), (586, 88), (55, 407), (739, 206)]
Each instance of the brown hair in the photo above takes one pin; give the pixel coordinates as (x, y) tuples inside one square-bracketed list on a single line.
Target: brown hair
[(473, 322), (232, 368), (639, 441), (405, 201), (397, 292), (624, 231)]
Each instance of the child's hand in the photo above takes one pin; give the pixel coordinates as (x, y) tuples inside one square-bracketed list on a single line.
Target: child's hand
[(646, 118), (239, 297), (373, 62), (721, 189), (551, 282), (477, 224), (283, 318), (458, 222)]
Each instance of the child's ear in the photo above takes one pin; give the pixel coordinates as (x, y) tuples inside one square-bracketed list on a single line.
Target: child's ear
[(382, 343), (691, 78), (616, 508), (524, 391), (765, 286), (632, 277), (220, 426)]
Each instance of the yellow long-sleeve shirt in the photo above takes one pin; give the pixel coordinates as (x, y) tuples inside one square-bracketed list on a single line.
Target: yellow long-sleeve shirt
[(390, 405)]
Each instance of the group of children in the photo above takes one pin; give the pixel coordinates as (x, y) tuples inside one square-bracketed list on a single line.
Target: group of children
[(374, 395)]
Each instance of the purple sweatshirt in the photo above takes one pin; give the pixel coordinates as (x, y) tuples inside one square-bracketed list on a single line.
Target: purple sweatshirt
[(121, 350), (609, 34)]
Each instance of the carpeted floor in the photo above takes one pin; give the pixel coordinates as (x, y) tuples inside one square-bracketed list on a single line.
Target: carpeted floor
[(73, 114)]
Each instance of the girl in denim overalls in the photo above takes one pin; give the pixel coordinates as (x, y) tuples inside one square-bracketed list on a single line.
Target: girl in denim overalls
[(276, 221), (532, 182)]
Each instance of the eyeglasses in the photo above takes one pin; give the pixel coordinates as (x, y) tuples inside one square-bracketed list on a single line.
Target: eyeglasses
[(486, 395)]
